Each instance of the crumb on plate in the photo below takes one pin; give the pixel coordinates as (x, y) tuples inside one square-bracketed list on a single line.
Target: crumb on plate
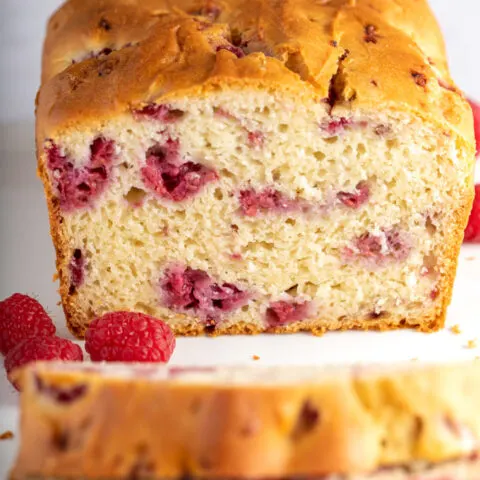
[(456, 329), (255, 357), (8, 435), (472, 343)]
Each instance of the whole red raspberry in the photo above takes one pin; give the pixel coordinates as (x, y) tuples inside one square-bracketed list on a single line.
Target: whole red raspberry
[(476, 122), (41, 348), (129, 337), (472, 232), (22, 317)]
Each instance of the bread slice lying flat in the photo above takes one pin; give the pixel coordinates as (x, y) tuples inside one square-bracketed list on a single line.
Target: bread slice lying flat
[(240, 166), (411, 421)]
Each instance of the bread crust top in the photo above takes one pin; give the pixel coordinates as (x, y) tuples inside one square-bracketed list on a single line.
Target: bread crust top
[(105, 57)]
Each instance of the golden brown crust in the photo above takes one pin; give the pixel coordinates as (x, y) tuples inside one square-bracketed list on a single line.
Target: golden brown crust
[(80, 27), (430, 322), (381, 49), (60, 243), (249, 423)]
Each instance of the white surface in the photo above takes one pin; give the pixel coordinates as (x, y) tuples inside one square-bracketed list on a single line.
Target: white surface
[(26, 254)]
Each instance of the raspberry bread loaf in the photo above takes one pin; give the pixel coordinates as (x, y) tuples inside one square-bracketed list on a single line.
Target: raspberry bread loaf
[(239, 166), (119, 421)]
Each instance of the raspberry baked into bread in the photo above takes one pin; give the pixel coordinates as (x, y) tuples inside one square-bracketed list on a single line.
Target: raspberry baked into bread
[(118, 421), (239, 166)]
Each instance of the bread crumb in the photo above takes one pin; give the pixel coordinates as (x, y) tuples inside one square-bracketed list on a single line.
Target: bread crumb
[(456, 329), (255, 357), (8, 435), (415, 359), (469, 259), (472, 343)]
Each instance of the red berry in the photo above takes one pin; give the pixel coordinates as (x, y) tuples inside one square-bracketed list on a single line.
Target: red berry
[(22, 317), (476, 122), (472, 232), (129, 337), (45, 348)]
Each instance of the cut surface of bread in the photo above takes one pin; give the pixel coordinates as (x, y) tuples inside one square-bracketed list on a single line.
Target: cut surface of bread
[(367, 422), (249, 166)]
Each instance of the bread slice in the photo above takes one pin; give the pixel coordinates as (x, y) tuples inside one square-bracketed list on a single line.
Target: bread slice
[(409, 421), (240, 166)]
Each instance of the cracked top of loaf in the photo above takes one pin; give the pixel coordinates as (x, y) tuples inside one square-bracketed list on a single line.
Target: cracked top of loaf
[(105, 57)]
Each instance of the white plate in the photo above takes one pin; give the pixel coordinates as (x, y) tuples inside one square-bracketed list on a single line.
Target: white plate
[(27, 265)]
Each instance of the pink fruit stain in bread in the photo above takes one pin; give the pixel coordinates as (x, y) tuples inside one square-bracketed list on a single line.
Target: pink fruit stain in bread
[(93, 54), (222, 113), (166, 175), (78, 187), (357, 198), (266, 200), (434, 293), (389, 244), (77, 272), (59, 394), (237, 51), (285, 312), (335, 127), (256, 139), (160, 113), (186, 289)]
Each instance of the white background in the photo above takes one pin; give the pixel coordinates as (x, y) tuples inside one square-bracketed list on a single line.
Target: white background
[(26, 254)]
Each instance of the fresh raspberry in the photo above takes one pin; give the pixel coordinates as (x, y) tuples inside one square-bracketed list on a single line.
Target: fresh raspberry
[(476, 122), (129, 337), (22, 317), (472, 232), (93, 54), (44, 348)]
